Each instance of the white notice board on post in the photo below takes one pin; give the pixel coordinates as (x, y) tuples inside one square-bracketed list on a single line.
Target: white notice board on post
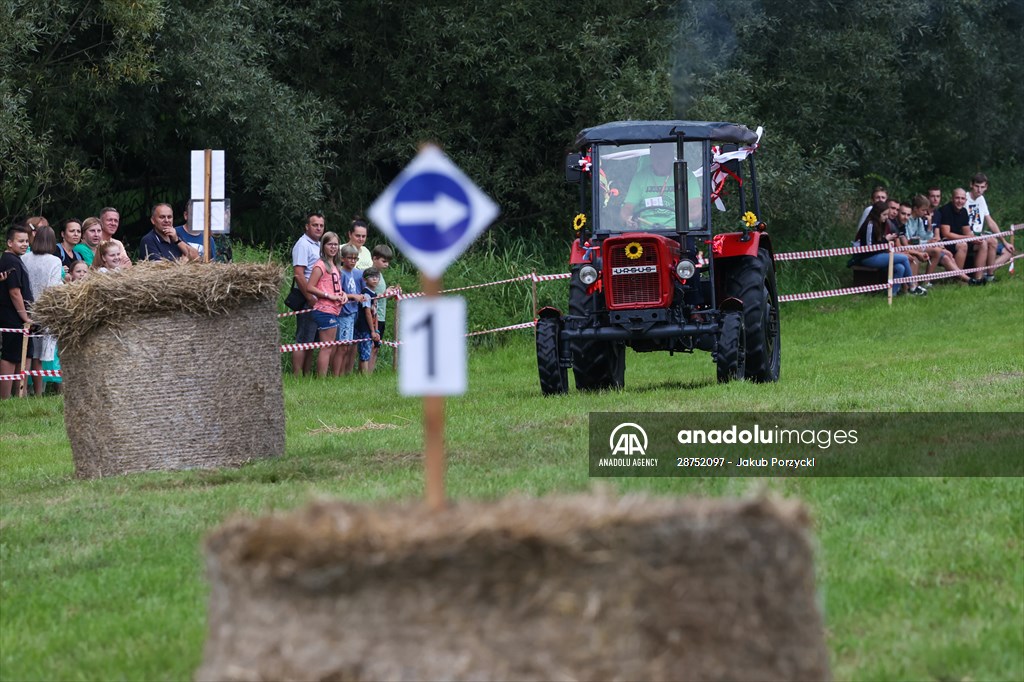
[(198, 183), (220, 217), (220, 206)]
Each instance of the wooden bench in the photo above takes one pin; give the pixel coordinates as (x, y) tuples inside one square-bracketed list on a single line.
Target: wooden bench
[(864, 276)]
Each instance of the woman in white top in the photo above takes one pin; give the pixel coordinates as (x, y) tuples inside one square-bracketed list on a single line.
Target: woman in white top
[(357, 238)]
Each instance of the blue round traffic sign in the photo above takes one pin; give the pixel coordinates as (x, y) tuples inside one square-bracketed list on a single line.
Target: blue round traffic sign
[(431, 211)]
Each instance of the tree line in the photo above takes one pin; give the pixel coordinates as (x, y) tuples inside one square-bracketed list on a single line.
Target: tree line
[(320, 103)]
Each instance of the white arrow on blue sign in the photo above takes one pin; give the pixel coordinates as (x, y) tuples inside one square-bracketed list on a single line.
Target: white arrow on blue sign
[(432, 211)]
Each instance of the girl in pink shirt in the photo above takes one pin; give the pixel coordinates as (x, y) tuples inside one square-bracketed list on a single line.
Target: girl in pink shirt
[(325, 284)]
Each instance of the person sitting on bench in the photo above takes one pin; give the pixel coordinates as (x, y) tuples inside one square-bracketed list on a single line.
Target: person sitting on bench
[(872, 232)]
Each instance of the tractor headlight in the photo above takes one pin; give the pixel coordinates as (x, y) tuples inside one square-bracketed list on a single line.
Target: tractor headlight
[(588, 275), (685, 269)]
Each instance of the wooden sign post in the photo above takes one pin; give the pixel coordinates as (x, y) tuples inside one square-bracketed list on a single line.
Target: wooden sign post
[(207, 186), (432, 212), (209, 209), (433, 429)]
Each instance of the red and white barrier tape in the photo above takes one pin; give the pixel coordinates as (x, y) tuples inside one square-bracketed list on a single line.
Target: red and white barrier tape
[(823, 253), (521, 278), (524, 325), (14, 330), (288, 348), (295, 312), (947, 273), (879, 287), (935, 275), (31, 373), (979, 237), (417, 294), (394, 344), (549, 278), (833, 292), (850, 250), (309, 310)]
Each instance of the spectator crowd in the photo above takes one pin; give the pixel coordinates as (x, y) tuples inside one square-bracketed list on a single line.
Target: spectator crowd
[(344, 298), (921, 223), (341, 286)]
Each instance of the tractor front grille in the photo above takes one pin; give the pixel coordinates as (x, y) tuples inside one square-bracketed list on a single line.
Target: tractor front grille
[(634, 282)]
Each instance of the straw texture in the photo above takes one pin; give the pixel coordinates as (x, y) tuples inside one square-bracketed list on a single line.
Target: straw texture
[(110, 299), (169, 366), (574, 588)]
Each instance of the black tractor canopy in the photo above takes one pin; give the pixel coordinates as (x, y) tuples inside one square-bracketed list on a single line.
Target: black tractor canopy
[(625, 132)]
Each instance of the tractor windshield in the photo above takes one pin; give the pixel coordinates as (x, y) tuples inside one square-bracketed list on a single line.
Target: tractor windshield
[(637, 191)]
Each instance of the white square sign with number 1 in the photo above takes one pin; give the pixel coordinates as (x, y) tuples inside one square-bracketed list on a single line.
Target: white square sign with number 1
[(432, 360)]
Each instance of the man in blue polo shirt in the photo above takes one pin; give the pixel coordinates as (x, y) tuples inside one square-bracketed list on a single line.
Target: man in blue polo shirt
[(162, 242)]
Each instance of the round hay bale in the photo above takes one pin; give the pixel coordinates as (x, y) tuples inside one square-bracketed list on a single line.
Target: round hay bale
[(572, 588), (169, 366)]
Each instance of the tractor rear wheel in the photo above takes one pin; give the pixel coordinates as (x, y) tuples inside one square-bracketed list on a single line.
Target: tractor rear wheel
[(752, 280), (553, 378), (596, 365), (730, 358)]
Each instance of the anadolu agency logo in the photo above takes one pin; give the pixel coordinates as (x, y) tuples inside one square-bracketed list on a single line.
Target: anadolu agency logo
[(628, 439)]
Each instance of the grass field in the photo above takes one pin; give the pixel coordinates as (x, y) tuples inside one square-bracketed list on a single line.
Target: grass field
[(920, 578)]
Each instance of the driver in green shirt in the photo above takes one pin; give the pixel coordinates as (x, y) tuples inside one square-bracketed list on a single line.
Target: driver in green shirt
[(650, 202)]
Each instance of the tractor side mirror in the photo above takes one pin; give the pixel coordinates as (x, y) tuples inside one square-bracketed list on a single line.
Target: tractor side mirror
[(573, 171)]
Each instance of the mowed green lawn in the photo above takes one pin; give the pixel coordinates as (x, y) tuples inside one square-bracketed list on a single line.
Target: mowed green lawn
[(919, 578)]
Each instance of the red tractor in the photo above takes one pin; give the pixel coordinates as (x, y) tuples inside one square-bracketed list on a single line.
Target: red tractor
[(648, 270)]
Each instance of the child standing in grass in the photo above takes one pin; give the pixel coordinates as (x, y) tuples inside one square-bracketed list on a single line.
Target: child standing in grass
[(366, 322), (352, 285), (381, 256), (325, 283)]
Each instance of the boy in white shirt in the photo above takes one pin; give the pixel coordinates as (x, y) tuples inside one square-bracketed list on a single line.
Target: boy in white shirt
[(1000, 250)]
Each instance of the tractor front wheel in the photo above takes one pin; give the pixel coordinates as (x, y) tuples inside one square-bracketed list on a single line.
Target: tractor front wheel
[(752, 280), (730, 356), (596, 365), (553, 377)]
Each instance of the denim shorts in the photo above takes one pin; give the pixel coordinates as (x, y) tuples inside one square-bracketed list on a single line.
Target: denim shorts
[(346, 326), (325, 321), (365, 347)]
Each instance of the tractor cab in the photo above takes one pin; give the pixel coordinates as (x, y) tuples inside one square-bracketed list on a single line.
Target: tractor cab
[(636, 188)]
